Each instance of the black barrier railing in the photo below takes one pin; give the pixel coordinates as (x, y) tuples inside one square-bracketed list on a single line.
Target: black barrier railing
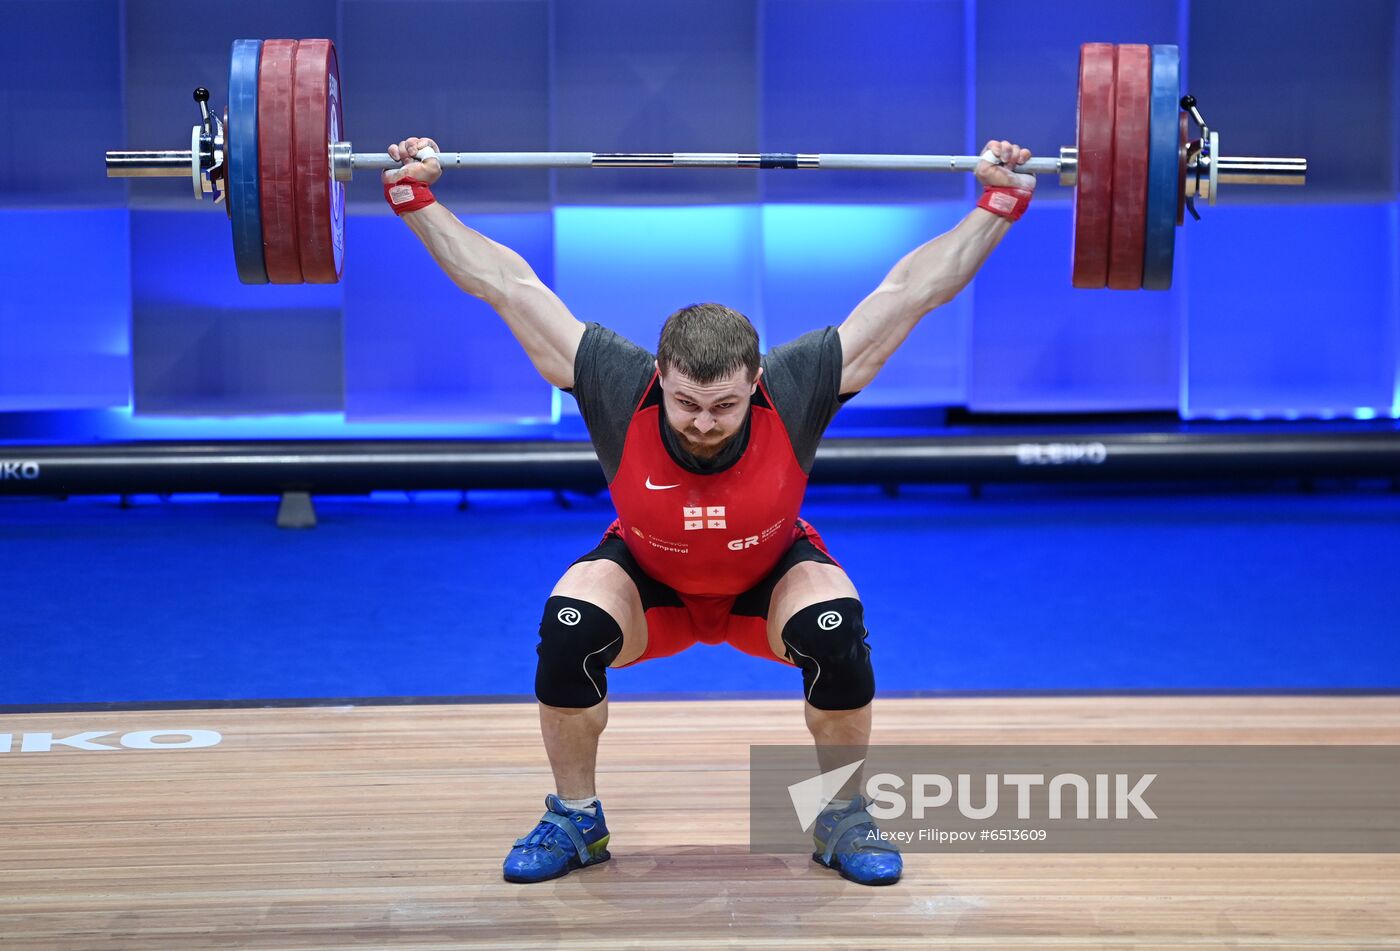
[(356, 466)]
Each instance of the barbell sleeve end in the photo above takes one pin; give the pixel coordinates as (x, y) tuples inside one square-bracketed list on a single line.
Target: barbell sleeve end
[(151, 163)]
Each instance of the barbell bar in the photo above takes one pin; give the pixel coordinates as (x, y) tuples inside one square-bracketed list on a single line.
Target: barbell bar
[(279, 164), (829, 161)]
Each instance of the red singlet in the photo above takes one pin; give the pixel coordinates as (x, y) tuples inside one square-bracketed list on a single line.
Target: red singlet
[(712, 534)]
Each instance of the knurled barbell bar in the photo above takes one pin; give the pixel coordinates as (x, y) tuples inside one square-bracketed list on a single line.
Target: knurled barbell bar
[(278, 163)]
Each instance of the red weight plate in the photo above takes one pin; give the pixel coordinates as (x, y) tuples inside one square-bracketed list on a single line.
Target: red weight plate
[(276, 170), (1131, 121), (320, 198), (1093, 196), (1181, 174)]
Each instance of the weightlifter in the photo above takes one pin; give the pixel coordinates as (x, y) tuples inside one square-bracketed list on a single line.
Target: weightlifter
[(706, 447)]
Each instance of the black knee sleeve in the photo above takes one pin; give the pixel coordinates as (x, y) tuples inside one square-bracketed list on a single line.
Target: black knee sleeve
[(827, 641), (578, 641)]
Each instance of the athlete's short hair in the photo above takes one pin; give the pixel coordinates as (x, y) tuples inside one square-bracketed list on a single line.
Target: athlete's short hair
[(708, 342)]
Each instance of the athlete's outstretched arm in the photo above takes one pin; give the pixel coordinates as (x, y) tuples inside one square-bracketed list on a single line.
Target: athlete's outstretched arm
[(492, 272), (927, 277)]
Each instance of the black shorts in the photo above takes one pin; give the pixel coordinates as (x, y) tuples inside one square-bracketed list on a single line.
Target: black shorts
[(752, 603), (675, 621)]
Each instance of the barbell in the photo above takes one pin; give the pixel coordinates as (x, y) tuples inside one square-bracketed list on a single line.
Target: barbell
[(278, 163)]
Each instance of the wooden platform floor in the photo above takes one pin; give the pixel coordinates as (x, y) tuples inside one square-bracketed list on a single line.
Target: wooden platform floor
[(384, 827)]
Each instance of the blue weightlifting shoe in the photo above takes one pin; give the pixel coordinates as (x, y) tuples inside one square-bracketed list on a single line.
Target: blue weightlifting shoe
[(849, 842), (564, 840)]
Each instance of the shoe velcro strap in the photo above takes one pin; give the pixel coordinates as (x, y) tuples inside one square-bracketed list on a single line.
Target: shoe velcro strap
[(575, 836), (859, 817)]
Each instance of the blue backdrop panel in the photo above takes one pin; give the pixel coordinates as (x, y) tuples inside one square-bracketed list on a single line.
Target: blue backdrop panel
[(850, 76), (418, 347), (205, 345), (638, 76), (172, 47), (631, 268), (820, 261), (1317, 88), (64, 343), (62, 91), (1281, 326), (1040, 345), (474, 76), (624, 74), (1027, 67)]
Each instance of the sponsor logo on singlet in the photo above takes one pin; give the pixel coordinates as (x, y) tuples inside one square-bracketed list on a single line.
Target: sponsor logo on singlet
[(674, 548), (739, 544)]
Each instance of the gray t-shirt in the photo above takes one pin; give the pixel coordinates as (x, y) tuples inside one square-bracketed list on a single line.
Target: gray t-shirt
[(611, 374)]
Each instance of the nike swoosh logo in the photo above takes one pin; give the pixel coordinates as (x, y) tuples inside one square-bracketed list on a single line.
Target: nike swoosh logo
[(650, 486)]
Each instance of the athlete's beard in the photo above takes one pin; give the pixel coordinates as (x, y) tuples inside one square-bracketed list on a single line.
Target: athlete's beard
[(703, 446)]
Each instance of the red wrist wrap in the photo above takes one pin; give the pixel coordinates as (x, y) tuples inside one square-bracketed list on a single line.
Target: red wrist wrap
[(408, 194), (1010, 203)]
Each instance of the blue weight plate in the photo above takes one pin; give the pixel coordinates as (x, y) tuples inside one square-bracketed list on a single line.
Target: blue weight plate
[(241, 148), (1162, 169)]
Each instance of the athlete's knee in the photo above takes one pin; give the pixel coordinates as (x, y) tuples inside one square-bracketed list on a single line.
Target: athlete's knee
[(578, 640), (827, 640)]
